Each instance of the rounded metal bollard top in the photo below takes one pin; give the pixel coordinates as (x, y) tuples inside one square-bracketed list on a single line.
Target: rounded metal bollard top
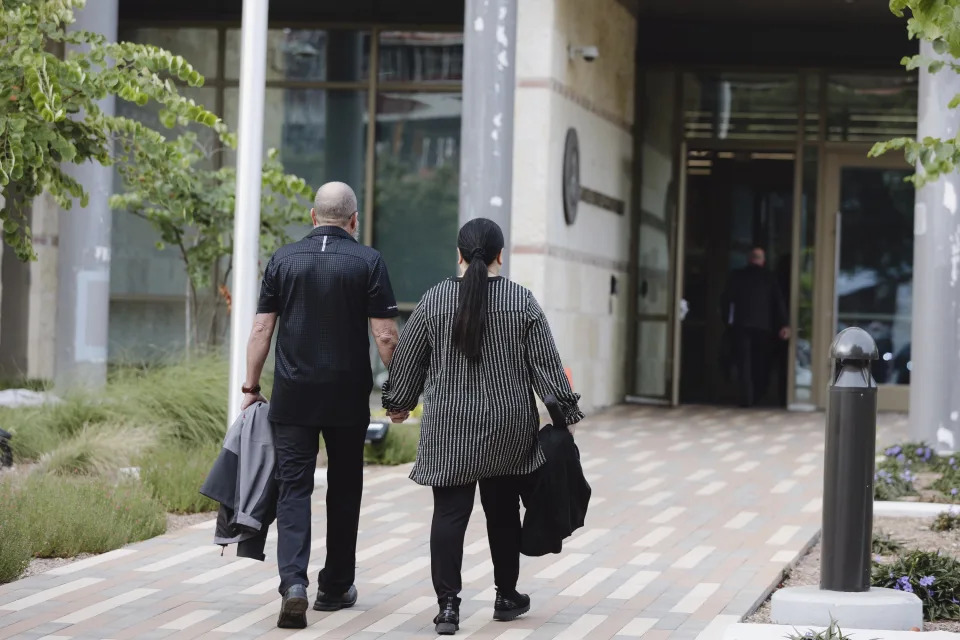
[(854, 343)]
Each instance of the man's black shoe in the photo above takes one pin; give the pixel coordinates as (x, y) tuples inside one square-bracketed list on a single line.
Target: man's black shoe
[(293, 609), (448, 620), (510, 606), (326, 602)]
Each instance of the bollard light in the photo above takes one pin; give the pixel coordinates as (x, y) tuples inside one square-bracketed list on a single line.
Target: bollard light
[(849, 464), (377, 432)]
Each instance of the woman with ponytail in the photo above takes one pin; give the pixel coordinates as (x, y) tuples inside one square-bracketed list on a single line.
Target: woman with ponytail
[(477, 348)]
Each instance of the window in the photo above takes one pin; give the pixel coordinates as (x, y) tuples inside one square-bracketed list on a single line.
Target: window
[(317, 114)]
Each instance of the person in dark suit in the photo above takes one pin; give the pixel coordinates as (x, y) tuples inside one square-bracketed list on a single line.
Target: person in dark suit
[(754, 310)]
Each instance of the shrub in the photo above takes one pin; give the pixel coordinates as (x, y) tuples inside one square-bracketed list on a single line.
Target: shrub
[(31, 384), (399, 447), (932, 576), (948, 465), (946, 521), (188, 398), (185, 402), (915, 454), (885, 545), (98, 450), (892, 482), (948, 484), (64, 517), (15, 550), (174, 474), (38, 430)]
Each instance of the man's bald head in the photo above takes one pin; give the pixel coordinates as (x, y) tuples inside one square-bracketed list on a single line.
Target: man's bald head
[(335, 204)]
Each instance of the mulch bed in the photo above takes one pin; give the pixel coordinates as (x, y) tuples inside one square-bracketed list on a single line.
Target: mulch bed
[(914, 533)]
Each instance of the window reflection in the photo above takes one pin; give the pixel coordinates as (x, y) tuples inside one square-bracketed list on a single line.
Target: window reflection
[(418, 56), (197, 46), (803, 366), (730, 106), (869, 108), (307, 55), (875, 275), (417, 188)]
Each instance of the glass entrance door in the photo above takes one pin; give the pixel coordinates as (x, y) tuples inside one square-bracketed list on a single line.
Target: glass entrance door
[(736, 201), (868, 276)]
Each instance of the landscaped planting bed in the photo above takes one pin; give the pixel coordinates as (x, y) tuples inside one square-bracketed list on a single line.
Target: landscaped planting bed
[(906, 558), (94, 472)]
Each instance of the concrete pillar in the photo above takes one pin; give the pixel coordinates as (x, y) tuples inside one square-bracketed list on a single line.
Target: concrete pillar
[(935, 346), (486, 154), (14, 314), (83, 298)]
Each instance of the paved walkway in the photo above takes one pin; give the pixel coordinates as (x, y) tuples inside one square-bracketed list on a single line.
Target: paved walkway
[(696, 513)]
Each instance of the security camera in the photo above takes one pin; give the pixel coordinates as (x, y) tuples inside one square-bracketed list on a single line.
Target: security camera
[(589, 53)]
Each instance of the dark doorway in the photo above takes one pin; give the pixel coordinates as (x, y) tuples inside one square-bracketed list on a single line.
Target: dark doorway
[(735, 200)]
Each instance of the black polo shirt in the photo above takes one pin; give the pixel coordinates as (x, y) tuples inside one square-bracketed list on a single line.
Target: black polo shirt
[(324, 288)]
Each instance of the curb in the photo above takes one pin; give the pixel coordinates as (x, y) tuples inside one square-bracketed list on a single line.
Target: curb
[(742, 631), (886, 509)]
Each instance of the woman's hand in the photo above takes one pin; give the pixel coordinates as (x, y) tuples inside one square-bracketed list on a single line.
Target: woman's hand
[(398, 416)]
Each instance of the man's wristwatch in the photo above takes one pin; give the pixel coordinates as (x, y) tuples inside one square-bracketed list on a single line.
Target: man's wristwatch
[(251, 390)]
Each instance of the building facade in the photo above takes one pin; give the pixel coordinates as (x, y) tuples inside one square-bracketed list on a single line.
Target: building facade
[(641, 175)]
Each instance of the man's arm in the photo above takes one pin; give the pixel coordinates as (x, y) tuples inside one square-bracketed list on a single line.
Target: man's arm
[(387, 336), (258, 347)]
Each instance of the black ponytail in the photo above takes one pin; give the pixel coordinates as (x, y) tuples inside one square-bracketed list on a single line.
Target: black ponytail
[(480, 242)]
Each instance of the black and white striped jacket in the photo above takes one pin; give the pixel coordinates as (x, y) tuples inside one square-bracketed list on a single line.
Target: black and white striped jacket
[(480, 418)]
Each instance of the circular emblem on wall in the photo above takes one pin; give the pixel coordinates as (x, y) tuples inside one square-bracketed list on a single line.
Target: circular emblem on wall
[(571, 176)]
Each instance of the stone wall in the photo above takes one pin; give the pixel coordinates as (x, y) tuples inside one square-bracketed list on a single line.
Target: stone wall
[(570, 268)]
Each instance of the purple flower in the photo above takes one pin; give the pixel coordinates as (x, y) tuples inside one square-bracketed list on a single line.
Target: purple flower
[(893, 451), (908, 588), (901, 458), (926, 581), (954, 491)]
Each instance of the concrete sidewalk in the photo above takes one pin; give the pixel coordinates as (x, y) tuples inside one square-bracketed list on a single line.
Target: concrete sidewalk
[(696, 513)]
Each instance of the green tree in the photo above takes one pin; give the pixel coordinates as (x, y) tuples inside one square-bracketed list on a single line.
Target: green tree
[(191, 206), (50, 82), (937, 22)]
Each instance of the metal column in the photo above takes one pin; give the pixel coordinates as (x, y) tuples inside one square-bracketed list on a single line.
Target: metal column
[(486, 148), (935, 348), (83, 259), (246, 224)]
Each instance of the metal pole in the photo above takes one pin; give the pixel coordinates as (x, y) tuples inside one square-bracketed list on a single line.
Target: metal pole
[(486, 148), (246, 224), (849, 462), (935, 358), (83, 256)]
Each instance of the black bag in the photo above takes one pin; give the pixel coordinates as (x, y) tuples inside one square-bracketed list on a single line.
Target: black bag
[(557, 495)]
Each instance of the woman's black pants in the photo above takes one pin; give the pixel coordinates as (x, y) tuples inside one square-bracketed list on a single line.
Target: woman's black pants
[(452, 507)]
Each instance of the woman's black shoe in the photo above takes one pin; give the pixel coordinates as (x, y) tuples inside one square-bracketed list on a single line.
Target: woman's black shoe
[(448, 620), (510, 606)]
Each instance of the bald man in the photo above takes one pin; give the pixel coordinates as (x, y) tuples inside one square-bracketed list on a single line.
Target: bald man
[(754, 309), (321, 291)]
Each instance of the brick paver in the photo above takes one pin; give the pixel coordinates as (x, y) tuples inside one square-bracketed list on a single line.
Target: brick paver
[(696, 513)]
